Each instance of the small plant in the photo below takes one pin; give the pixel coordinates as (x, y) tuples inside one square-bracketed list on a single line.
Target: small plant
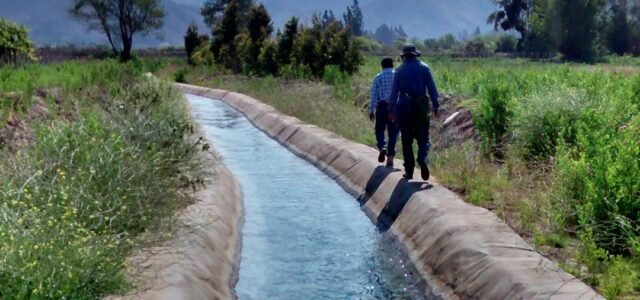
[(181, 75)]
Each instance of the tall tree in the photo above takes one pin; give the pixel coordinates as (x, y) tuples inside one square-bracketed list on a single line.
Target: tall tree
[(259, 23), (634, 24), (259, 29), (542, 20), (191, 41), (512, 15), (579, 28), (619, 30), (384, 34), (286, 41), (120, 20), (224, 36), (328, 18), (354, 19), (213, 10)]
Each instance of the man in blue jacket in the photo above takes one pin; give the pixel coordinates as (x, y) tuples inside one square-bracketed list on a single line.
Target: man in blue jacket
[(413, 89)]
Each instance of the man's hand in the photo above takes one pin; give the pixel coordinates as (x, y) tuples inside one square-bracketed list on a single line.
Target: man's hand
[(392, 118), (372, 116)]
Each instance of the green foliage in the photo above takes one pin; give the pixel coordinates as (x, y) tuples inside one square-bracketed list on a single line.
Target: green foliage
[(318, 47), (506, 44), (494, 114), (619, 32), (259, 29), (353, 19), (512, 15), (544, 119), (267, 61), (578, 28), (598, 176), (298, 51), (259, 24), (286, 41), (14, 43), (475, 46), (212, 10), (181, 75), (620, 279), (634, 24), (191, 41), (203, 56), (224, 36), (542, 37), (76, 200)]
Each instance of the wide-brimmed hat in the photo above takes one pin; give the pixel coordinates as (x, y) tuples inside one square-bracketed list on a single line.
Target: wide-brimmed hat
[(410, 49)]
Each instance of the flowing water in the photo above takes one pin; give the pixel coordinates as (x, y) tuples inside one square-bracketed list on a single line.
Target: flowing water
[(304, 237)]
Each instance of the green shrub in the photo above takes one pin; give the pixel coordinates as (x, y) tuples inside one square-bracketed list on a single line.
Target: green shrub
[(542, 119), (600, 176), (73, 204), (181, 75), (493, 115), (203, 56)]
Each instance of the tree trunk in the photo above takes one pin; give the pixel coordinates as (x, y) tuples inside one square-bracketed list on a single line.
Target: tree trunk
[(127, 43)]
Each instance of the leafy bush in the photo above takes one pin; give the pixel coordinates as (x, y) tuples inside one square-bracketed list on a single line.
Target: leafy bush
[(203, 56), (181, 75), (267, 61), (506, 44), (600, 176), (542, 119), (493, 115)]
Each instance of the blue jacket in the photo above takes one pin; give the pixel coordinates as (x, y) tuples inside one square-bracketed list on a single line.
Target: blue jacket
[(413, 77)]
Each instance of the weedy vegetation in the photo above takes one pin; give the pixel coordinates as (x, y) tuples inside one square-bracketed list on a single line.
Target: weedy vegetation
[(108, 164)]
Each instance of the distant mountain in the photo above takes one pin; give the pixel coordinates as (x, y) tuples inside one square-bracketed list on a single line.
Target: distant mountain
[(50, 23), (420, 18)]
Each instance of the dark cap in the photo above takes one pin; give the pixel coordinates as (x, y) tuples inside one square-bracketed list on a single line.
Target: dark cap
[(410, 50)]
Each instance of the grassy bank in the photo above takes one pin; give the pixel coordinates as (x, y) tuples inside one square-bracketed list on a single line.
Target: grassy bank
[(556, 152), (104, 156)]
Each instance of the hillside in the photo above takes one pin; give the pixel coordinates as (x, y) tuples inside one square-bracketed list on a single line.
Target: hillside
[(50, 23), (424, 18)]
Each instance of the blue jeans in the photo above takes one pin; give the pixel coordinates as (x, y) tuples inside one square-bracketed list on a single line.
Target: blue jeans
[(384, 124), (412, 130)]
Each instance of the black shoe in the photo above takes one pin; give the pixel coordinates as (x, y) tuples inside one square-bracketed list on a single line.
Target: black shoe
[(407, 176), (382, 155), (424, 171)]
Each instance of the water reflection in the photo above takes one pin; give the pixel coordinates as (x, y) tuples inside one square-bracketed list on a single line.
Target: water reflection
[(304, 237)]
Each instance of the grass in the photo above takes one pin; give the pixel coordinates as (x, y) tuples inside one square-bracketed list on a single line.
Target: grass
[(556, 154), (75, 199)]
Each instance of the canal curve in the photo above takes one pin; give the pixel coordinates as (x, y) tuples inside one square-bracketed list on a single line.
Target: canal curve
[(304, 237)]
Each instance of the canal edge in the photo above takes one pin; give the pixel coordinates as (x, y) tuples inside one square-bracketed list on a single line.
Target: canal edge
[(465, 248)]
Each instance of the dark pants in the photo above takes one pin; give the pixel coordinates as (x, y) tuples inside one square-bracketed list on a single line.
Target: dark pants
[(384, 124), (414, 130)]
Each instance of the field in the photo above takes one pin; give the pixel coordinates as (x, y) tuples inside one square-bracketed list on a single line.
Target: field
[(97, 156), (93, 156), (554, 149)]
